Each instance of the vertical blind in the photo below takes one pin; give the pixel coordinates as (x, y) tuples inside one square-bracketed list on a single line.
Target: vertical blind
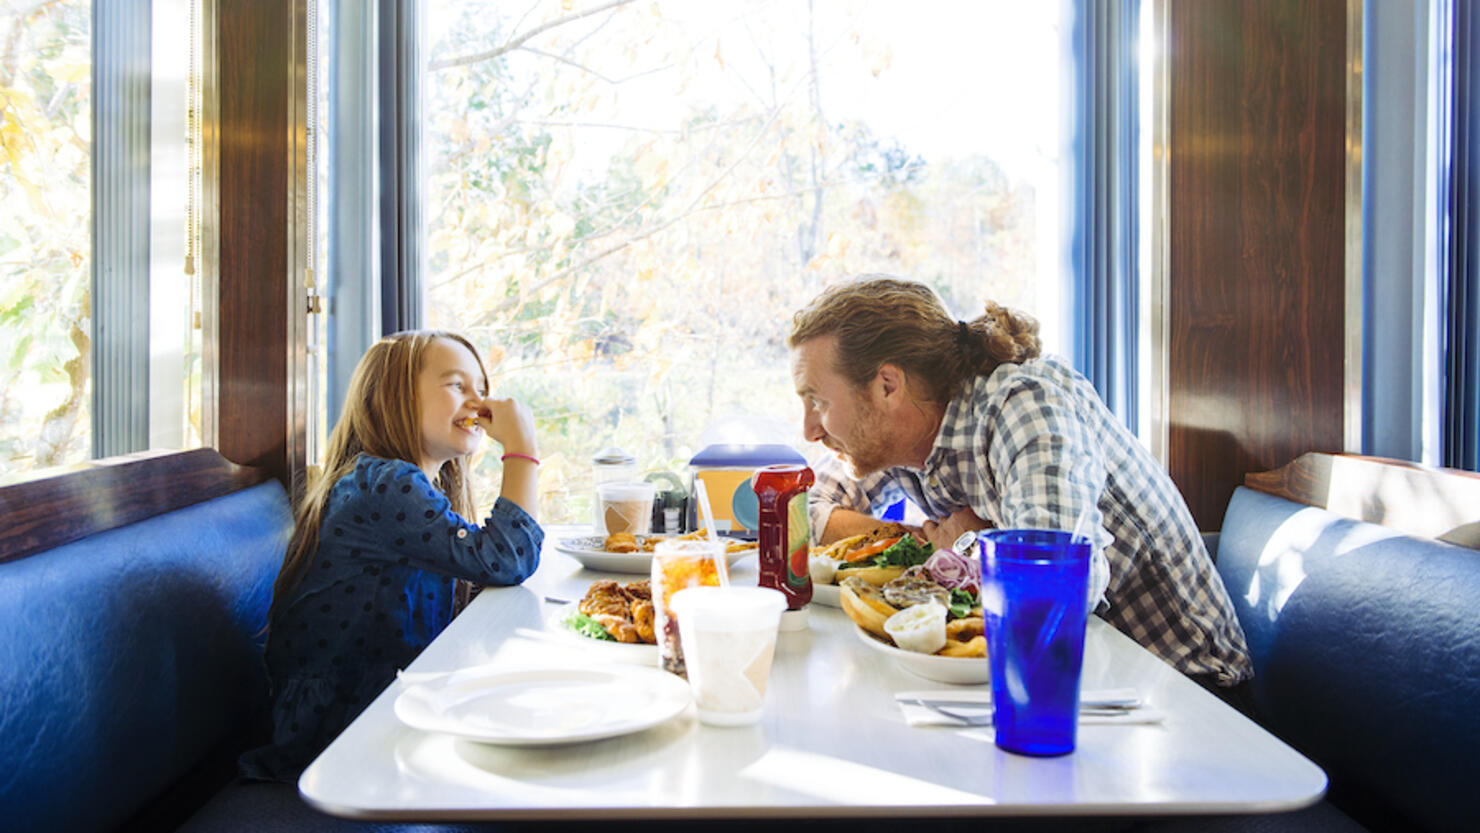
[(121, 38), (1460, 289), (1105, 209), (400, 167)]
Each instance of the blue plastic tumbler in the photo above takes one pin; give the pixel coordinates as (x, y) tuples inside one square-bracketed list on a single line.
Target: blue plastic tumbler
[(1034, 583)]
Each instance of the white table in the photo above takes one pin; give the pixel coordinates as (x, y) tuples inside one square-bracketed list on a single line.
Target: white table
[(832, 743)]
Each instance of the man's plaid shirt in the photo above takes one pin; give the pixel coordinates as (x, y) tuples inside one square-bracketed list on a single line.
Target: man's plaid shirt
[(1027, 447)]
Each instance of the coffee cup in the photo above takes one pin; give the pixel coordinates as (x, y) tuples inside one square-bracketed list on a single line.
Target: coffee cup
[(626, 506)]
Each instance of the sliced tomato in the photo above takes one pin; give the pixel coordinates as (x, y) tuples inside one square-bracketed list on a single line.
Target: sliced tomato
[(872, 549)]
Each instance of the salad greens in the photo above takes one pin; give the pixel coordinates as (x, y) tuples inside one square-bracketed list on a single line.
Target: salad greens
[(587, 627), (961, 603), (906, 552)]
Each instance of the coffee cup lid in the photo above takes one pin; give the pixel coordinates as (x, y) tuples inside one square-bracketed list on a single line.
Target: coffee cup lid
[(628, 489), (611, 455)]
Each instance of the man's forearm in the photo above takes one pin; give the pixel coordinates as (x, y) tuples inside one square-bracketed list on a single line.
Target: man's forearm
[(845, 522)]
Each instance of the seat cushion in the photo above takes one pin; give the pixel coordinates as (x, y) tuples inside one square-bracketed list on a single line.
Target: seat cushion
[(266, 807), (1366, 647), (1318, 818), (128, 655)]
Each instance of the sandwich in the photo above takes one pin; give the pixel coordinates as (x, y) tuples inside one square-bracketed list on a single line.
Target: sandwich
[(877, 557)]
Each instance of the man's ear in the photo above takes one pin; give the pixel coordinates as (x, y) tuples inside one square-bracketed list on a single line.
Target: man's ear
[(889, 382)]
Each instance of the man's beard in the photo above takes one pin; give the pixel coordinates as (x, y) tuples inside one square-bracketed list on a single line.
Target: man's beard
[(867, 451)]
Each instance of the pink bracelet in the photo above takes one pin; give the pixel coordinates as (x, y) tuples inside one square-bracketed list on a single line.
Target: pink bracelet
[(534, 460)]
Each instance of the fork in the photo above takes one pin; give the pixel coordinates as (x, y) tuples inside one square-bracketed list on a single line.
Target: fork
[(986, 719)]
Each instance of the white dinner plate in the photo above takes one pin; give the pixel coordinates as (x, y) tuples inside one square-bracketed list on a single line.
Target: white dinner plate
[(826, 594), (544, 706), (965, 670), (588, 550), (637, 653)]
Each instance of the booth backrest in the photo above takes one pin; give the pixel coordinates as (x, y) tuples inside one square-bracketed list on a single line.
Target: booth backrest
[(1366, 647), (128, 655)]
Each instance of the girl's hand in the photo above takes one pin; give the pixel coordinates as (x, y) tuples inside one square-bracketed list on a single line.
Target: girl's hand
[(511, 424)]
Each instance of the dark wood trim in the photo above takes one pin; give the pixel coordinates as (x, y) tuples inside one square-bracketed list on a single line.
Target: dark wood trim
[(1415, 499), (1256, 240), (255, 87), (59, 506)]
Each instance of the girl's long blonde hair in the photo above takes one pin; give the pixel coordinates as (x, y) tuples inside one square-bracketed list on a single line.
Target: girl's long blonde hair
[(381, 417)]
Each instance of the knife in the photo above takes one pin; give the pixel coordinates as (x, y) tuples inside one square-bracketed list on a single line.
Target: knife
[(1096, 703)]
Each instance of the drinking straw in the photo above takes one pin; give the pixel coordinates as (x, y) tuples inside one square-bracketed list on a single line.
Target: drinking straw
[(1081, 530), (706, 513), (1081, 527)]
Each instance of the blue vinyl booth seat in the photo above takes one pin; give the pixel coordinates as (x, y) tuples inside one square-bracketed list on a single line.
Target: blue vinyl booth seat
[(129, 656), (131, 671), (1366, 647)]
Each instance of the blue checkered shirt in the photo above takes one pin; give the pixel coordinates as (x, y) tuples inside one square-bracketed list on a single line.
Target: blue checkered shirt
[(1031, 445)]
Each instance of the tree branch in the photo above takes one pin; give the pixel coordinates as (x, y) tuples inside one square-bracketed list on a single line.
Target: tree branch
[(519, 40), (583, 68), (693, 205)]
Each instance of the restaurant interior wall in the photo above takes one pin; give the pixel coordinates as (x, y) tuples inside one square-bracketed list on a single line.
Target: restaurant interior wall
[(1256, 219), (261, 73)]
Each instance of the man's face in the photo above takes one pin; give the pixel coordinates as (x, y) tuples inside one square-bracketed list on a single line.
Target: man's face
[(835, 413)]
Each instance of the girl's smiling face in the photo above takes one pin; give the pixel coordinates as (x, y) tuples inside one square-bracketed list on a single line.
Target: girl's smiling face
[(451, 387)]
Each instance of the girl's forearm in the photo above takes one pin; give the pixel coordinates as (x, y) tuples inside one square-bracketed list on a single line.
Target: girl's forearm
[(521, 481)]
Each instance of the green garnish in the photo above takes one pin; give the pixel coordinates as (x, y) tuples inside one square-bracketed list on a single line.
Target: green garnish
[(587, 627), (906, 552), (961, 603)]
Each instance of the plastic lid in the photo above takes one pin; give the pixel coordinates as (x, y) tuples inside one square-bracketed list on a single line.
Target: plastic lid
[(613, 456), (747, 455), (739, 607), (626, 490)]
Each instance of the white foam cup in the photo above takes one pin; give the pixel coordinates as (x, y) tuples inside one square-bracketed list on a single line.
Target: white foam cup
[(729, 639), (626, 506)]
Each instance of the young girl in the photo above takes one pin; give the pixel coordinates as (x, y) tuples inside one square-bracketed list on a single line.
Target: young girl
[(382, 536)]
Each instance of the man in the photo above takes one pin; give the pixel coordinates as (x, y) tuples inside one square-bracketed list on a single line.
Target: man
[(979, 430)]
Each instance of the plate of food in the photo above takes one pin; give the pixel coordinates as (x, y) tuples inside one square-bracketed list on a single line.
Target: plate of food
[(613, 620), (876, 557), (928, 618), (539, 706), (941, 669), (628, 553)]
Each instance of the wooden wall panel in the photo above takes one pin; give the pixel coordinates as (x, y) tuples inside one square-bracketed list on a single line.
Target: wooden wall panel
[(254, 60), (1256, 127), (66, 504)]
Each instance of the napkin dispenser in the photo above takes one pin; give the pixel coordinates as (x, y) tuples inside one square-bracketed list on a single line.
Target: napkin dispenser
[(725, 471)]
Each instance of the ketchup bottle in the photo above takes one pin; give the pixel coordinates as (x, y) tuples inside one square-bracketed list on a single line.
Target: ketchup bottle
[(785, 532)]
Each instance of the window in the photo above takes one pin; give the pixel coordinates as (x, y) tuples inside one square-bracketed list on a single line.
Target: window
[(627, 201), (130, 182), (45, 252)]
